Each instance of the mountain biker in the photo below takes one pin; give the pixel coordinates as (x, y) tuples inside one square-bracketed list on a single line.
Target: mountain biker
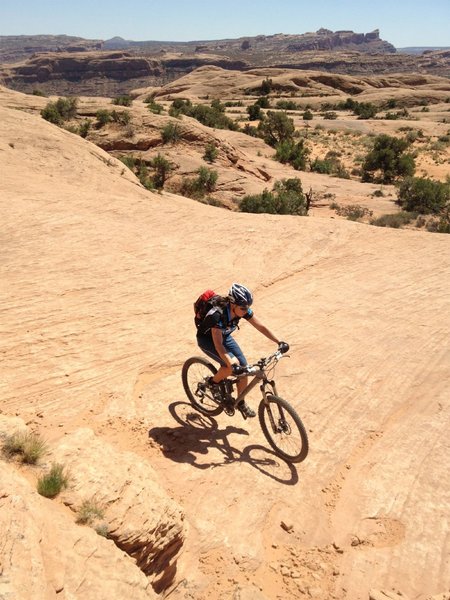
[(214, 337)]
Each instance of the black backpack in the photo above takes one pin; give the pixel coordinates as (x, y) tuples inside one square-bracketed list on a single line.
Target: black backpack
[(204, 303)]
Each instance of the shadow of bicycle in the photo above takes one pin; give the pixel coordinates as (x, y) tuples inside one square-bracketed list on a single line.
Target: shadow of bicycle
[(197, 435)]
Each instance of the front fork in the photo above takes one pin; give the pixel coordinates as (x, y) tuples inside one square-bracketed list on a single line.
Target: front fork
[(263, 386)]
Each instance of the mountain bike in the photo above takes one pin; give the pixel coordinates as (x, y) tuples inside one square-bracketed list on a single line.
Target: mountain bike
[(280, 424)]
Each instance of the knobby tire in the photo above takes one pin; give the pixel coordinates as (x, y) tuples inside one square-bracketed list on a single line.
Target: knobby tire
[(290, 442), (194, 372)]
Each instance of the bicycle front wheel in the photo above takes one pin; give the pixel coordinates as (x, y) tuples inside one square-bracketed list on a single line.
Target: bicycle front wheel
[(283, 429), (194, 374)]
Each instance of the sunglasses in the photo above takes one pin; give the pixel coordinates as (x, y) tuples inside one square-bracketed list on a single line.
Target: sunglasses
[(243, 307)]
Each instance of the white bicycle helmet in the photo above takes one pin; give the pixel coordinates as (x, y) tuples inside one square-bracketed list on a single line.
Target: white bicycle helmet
[(240, 295)]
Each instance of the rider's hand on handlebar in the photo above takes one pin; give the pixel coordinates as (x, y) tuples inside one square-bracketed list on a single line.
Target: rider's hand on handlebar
[(283, 347), (238, 369)]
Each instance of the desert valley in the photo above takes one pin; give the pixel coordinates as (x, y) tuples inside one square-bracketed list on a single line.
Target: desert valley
[(316, 170)]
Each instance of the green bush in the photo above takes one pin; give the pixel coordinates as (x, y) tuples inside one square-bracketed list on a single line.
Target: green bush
[(263, 102), (83, 130), (211, 116), (323, 166), (286, 198), (103, 117), (266, 87), (293, 153), (61, 110), (123, 101), (388, 159), (352, 212), (67, 108), (52, 483), (171, 133), (153, 106), (276, 128), (287, 105), (308, 116), (396, 220), (205, 183), (211, 153), (123, 117), (329, 115), (162, 169), (254, 112), (424, 196)]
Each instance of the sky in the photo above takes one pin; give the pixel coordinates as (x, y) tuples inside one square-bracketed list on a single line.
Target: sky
[(401, 22)]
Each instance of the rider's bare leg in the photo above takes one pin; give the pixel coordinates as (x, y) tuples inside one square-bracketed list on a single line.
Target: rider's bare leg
[(242, 383)]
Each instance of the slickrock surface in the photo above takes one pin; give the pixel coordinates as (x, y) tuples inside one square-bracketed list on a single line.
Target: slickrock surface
[(140, 518), (98, 277), (44, 554)]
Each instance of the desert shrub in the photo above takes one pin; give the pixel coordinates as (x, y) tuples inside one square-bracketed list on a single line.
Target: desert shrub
[(276, 128), (89, 511), (287, 105), (365, 110), (396, 220), (122, 101), (61, 110), (171, 133), (254, 112), (50, 484), (123, 117), (153, 106), (129, 161), (308, 116), (323, 166), (162, 169), (143, 175), (263, 102), (330, 165), (388, 159), (413, 134), (293, 153), (211, 153), (29, 446), (251, 130), (329, 115), (39, 93), (203, 184), (50, 113), (286, 198), (266, 87), (378, 194), (213, 116), (352, 212), (391, 103), (440, 225), (103, 117), (67, 107), (424, 196), (83, 129)]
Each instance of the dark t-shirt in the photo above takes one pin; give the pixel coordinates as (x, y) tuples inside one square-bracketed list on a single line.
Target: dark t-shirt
[(221, 318)]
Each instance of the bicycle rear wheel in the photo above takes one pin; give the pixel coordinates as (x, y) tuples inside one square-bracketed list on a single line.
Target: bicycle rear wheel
[(194, 374), (283, 429)]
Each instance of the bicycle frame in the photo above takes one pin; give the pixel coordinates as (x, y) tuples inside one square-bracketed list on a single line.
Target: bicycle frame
[(257, 376)]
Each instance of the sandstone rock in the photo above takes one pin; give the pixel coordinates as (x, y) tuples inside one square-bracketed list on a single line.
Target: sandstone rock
[(43, 552), (142, 520)]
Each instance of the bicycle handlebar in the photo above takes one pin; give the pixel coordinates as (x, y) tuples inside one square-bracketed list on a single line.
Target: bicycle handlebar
[(260, 365)]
